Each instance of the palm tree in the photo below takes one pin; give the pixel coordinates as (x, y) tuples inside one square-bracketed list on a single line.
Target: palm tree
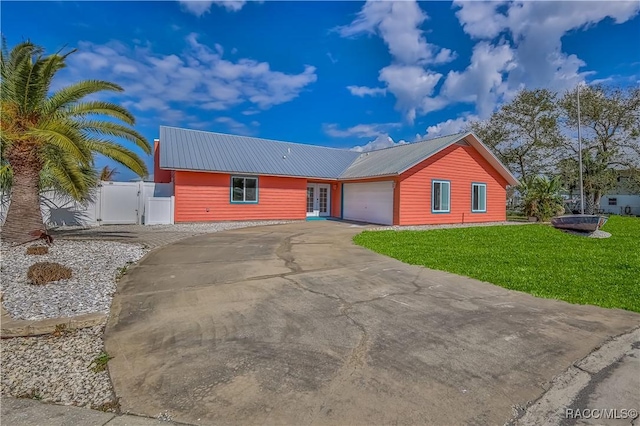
[(108, 173), (542, 197), (54, 135)]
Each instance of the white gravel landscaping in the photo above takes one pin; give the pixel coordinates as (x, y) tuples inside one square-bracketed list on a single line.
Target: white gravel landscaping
[(57, 369), (94, 266)]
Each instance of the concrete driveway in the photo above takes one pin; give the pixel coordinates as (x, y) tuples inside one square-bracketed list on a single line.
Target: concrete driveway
[(293, 324)]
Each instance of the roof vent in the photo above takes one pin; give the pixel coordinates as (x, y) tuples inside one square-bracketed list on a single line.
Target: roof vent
[(288, 150), (284, 157)]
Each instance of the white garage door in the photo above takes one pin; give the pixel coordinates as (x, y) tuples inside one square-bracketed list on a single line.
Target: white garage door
[(369, 202)]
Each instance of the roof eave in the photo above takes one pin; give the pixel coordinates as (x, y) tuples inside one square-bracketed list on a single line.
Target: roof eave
[(236, 172), (493, 160)]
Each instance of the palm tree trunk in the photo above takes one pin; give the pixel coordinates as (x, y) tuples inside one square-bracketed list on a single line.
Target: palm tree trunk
[(24, 214), (589, 206)]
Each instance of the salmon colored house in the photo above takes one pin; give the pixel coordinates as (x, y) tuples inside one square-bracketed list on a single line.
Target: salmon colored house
[(218, 177)]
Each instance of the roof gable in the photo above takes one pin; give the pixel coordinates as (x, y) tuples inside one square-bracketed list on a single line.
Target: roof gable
[(397, 159)]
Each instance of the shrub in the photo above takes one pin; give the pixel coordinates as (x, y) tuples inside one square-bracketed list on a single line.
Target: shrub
[(541, 198), (37, 250), (45, 272)]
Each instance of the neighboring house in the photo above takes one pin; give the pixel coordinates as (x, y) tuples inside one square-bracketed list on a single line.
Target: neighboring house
[(624, 199), (218, 177)]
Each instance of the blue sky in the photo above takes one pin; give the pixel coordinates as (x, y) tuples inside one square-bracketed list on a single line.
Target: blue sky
[(342, 74)]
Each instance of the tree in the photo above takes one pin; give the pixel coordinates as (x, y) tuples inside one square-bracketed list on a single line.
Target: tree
[(542, 197), (523, 132), (54, 135), (108, 173), (610, 124)]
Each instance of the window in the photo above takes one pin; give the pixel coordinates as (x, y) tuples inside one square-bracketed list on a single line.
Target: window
[(478, 198), (440, 190), (613, 201), (244, 189)]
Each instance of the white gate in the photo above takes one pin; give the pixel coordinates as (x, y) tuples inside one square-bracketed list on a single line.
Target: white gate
[(112, 203), (119, 203), (159, 211)]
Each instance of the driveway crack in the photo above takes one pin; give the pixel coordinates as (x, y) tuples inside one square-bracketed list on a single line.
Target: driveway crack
[(284, 252)]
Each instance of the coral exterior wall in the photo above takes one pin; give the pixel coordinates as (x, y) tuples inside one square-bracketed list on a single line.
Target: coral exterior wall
[(461, 165), (159, 175), (205, 197)]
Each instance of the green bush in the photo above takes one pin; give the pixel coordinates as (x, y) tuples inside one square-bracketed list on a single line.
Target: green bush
[(542, 198)]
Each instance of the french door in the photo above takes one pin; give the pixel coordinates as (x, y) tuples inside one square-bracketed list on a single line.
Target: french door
[(318, 199)]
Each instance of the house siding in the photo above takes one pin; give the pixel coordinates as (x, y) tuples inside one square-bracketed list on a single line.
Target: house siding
[(159, 175), (197, 192), (462, 166)]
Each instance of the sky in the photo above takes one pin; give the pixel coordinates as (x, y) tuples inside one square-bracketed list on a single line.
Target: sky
[(353, 75)]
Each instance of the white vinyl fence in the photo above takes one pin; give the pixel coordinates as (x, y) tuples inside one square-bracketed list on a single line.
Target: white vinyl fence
[(110, 203)]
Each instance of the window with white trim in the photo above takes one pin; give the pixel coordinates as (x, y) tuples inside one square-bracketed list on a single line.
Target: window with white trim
[(479, 198), (440, 196), (244, 189)]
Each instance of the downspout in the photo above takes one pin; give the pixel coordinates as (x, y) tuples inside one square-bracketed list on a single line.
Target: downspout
[(341, 200)]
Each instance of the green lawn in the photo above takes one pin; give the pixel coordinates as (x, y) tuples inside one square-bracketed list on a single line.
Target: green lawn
[(536, 259)]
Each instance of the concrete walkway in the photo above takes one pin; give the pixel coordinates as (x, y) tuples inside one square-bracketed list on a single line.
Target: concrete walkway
[(27, 412), (294, 324)]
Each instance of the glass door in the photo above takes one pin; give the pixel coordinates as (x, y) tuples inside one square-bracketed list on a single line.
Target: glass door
[(311, 200)]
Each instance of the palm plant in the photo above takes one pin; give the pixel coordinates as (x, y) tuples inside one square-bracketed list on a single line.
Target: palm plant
[(53, 137), (542, 197), (108, 173)]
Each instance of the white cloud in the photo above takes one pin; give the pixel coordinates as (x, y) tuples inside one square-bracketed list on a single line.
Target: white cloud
[(382, 141), (360, 130), (449, 127), (536, 29), (235, 126), (199, 77), (518, 44), (200, 7), (482, 81), (398, 23), (410, 84), (363, 91)]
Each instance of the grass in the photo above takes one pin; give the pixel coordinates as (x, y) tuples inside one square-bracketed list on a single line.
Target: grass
[(535, 259), (100, 362)]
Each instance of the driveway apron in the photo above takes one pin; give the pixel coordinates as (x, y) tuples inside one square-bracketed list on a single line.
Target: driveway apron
[(294, 324)]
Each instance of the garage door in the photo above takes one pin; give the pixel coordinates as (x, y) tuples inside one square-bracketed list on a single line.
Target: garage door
[(368, 202)]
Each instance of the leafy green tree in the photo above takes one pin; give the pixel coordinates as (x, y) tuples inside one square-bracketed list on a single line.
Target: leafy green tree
[(542, 198), (55, 135), (610, 124), (523, 132)]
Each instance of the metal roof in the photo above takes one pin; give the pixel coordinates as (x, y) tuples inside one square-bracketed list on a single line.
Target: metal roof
[(397, 159), (182, 149)]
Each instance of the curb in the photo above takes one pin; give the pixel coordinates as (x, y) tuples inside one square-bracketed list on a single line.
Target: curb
[(27, 328), (565, 388)]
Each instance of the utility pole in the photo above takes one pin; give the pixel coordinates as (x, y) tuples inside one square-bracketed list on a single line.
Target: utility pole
[(580, 156)]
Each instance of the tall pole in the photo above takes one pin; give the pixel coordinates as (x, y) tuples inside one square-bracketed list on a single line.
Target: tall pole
[(580, 157)]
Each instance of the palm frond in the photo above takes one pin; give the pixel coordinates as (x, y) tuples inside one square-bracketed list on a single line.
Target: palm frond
[(63, 174), (66, 136), (106, 128), (109, 109), (119, 154), (75, 92)]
